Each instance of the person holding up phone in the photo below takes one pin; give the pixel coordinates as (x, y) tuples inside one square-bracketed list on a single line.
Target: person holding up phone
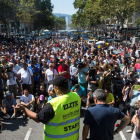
[(136, 121)]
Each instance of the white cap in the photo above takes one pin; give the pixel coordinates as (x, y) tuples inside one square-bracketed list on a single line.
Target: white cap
[(52, 56), (138, 80), (11, 64)]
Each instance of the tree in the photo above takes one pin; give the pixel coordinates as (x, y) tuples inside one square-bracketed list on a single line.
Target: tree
[(45, 18), (137, 22), (98, 10), (6, 13), (59, 23), (26, 11)]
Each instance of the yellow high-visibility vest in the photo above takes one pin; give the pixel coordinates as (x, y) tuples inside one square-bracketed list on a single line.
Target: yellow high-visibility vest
[(66, 122)]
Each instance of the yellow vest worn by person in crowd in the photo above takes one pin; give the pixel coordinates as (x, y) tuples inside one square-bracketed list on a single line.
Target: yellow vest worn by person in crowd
[(65, 124)]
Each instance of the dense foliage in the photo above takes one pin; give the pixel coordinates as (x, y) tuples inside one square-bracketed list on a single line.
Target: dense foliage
[(93, 12), (37, 13)]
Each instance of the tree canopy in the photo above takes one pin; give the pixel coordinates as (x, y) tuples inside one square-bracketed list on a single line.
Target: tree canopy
[(95, 11), (36, 12)]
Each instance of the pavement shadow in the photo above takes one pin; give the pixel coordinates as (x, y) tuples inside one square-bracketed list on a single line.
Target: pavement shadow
[(13, 124)]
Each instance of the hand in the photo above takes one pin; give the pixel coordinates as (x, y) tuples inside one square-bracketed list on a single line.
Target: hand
[(20, 81), (136, 121), (132, 86), (20, 107), (81, 70), (127, 88), (13, 106), (28, 104), (88, 97), (33, 68)]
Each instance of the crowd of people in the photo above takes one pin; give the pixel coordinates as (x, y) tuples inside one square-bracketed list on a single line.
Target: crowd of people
[(26, 69)]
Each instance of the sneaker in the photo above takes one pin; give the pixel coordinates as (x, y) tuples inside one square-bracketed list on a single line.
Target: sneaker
[(129, 131), (13, 116), (8, 117)]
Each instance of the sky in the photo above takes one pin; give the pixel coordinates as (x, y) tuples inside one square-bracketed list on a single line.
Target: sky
[(63, 6)]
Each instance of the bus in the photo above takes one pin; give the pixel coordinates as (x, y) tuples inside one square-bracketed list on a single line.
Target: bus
[(130, 32)]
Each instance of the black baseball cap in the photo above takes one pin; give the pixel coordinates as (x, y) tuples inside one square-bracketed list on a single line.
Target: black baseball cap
[(59, 81)]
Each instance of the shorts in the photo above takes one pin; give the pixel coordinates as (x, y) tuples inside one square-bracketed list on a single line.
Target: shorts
[(13, 89), (10, 110), (28, 87)]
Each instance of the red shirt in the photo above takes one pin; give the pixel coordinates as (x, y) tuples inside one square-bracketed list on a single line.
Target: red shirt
[(65, 68), (7, 59), (137, 66), (57, 45)]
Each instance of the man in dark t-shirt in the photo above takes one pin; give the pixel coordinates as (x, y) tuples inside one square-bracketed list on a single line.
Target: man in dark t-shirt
[(102, 118)]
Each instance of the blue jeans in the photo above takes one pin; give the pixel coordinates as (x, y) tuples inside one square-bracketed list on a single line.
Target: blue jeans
[(68, 84)]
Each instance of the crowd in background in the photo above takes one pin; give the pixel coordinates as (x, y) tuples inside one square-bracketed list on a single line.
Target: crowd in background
[(27, 67)]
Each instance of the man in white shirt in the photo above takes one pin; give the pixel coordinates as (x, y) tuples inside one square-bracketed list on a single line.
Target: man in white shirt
[(107, 60), (26, 78), (28, 101), (18, 66), (50, 74), (11, 80)]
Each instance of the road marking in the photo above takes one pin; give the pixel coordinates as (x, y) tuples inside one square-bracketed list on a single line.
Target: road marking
[(28, 134), (122, 135)]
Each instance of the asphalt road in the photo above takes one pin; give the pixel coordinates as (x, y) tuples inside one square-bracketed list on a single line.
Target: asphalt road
[(19, 129)]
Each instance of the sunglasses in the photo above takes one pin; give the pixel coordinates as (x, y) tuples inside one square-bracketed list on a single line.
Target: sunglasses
[(50, 66)]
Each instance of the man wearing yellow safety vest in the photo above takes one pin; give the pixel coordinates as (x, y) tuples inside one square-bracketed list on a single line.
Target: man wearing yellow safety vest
[(61, 115)]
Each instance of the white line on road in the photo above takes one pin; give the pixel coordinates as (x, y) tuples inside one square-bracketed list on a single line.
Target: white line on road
[(28, 134), (122, 135)]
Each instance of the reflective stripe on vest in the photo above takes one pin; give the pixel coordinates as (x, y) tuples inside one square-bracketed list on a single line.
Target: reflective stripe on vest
[(62, 136), (64, 123)]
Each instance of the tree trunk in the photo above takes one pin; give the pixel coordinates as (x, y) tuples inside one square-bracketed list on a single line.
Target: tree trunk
[(24, 28)]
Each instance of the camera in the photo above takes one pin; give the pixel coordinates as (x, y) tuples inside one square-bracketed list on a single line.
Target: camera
[(92, 73), (1, 69), (8, 68), (113, 71), (129, 81), (80, 64), (126, 61)]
